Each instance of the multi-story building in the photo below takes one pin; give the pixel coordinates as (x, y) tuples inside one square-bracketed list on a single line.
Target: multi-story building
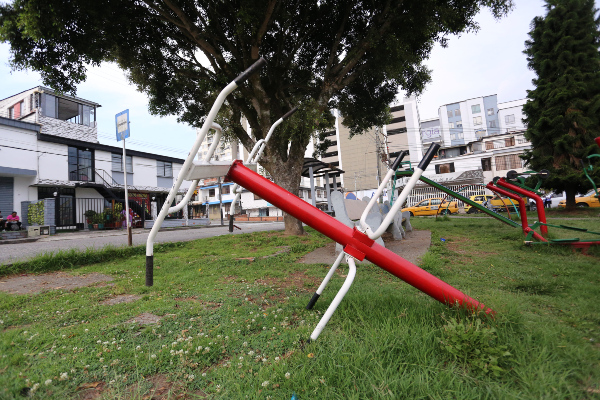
[(50, 148), (479, 138)]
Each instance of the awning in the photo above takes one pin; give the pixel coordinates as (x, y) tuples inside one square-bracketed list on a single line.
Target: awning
[(216, 202)]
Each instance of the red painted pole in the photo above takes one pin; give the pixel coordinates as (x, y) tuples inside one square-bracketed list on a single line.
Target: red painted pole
[(538, 201), (522, 208), (355, 243)]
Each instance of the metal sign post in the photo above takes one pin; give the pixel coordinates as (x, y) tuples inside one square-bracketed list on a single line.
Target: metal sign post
[(122, 122)]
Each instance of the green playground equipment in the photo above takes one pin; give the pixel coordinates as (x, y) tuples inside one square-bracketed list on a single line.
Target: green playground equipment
[(458, 196)]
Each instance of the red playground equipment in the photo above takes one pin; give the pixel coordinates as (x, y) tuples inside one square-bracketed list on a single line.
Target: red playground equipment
[(357, 243)]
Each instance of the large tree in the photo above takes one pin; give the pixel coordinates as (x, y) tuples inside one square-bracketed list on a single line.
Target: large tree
[(350, 54), (563, 111)]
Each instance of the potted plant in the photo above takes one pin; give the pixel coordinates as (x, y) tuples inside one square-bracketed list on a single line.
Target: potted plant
[(101, 220), (89, 217)]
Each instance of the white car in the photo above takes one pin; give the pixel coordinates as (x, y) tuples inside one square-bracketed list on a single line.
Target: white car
[(557, 198)]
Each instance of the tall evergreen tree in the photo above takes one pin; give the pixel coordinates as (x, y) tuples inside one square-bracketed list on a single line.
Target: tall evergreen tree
[(563, 111)]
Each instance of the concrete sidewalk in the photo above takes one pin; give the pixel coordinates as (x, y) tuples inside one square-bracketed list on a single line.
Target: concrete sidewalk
[(81, 240)]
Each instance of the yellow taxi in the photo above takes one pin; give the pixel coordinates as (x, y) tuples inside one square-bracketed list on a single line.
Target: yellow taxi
[(432, 206), (477, 199), (587, 200), (497, 203)]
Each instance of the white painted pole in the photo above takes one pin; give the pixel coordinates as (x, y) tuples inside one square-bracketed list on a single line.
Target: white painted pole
[(337, 299), (129, 238)]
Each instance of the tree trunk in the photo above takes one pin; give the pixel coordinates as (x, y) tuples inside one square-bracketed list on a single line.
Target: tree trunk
[(570, 199), (288, 175)]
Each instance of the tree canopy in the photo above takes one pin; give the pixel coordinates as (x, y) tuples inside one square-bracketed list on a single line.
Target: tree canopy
[(322, 54), (563, 111)]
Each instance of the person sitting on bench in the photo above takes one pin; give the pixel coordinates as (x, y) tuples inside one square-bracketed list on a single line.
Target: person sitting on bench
[(13, 219)]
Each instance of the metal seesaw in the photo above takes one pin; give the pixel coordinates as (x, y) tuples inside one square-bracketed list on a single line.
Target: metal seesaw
[(356, 243)]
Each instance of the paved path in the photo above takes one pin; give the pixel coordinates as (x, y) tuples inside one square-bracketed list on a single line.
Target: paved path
[(97, 239)]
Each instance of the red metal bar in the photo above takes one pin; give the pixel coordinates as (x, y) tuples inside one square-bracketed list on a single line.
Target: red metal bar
[(355, 242), (538, 201), (522, 208)]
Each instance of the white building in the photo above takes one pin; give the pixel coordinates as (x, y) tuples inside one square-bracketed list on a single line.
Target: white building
[(49, 148)]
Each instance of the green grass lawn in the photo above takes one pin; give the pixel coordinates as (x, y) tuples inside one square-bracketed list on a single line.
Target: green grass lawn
[(234, 325)]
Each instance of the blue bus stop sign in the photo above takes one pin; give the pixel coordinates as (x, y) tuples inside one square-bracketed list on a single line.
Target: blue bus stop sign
[(122, 122)]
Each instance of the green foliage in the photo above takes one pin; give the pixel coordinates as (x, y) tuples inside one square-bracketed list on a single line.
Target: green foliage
[(320, 55), (89, 215), (563, 111), (471, 342), (35, 213)]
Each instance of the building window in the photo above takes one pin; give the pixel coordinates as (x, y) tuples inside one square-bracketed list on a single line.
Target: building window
[(509, 119), (459, 124), (396, 120), (164, 169), (493, 123), (450, 113), (486, 164), (226, 189), (457, 113), (475, 109), (81, 164), (509, 141), (211, 192), (391, 132), (67, 110), (15, 111), (444, 168), (476, 120), (456, 135), (489, 145), (450, 125), (117, 163), (511, 161), (330, 154), (490, 111)]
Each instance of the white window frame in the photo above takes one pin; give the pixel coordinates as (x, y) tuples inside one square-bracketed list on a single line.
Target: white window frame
[(477, 121)]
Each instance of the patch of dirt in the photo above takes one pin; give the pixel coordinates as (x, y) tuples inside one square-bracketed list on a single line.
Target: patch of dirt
[(412, 249), (90, 391), (295, 280), (123, 298), (145, 319), (155, 387), (28, 284)]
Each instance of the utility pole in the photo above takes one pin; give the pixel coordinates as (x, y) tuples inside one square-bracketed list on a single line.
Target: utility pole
[(378, 155), (221, 200)]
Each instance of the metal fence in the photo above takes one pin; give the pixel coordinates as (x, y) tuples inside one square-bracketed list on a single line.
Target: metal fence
[(422, 193), (98, 213)]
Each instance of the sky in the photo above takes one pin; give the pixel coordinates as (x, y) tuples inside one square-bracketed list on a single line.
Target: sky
[(490, 61)]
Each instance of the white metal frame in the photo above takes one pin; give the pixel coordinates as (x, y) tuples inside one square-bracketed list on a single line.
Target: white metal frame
[(372, 235)]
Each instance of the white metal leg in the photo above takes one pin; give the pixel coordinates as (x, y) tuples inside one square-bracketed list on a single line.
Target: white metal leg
[(337, 300), (319, 291)]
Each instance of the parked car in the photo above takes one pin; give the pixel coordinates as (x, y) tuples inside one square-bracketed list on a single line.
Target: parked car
[(587, 200), (497, 203), (555, 199), (431, 207), (477, 199)]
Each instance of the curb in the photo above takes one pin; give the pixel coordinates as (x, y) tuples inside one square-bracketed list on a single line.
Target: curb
[(18, 241)]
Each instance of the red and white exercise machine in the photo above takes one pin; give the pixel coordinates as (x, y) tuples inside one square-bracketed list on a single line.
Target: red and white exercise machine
[(358, 243)]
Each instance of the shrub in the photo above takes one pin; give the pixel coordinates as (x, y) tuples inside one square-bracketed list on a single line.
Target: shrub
[(471, 342), (35, 213)]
